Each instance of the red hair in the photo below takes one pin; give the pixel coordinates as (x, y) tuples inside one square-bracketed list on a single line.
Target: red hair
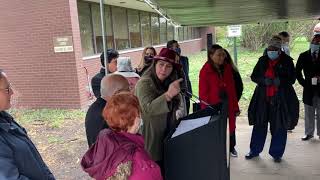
[(121, 111)]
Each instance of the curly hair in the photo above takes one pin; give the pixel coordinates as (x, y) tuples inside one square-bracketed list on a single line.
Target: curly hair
[(121, 111)]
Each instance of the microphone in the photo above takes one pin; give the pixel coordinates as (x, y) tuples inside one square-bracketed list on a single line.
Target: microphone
[(190, 95)]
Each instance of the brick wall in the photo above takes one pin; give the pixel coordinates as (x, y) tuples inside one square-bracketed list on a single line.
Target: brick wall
[(41, 77)]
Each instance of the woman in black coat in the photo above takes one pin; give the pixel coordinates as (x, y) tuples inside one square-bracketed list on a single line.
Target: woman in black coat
[(274, 101)]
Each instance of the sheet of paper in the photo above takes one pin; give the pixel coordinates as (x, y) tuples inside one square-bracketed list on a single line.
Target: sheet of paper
[(188, 125)]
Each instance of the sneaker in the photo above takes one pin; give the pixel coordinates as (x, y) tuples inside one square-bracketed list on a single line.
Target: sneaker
[(307, 137), (234, 153), (250, 155)]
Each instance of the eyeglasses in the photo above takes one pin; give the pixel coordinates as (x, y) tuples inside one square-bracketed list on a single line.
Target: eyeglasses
[(7, 90)]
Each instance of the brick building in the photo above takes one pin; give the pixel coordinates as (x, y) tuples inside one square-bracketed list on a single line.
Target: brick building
[(46, 74)]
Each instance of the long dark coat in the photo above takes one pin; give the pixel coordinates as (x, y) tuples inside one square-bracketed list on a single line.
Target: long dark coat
[(310, 69), (285, 103)]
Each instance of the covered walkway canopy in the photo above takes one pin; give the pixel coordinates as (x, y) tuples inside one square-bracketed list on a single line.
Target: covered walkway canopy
[(225, 12)]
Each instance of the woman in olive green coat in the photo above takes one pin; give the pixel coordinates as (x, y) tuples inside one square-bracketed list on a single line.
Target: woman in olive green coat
[(158, 92)]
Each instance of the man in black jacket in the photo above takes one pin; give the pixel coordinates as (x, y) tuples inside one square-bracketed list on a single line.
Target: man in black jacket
[(309, 63), (94, 121), (112, 56)]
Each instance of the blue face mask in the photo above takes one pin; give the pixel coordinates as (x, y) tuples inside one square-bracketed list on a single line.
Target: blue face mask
[(178, 51), (273, 54), (314, 47)]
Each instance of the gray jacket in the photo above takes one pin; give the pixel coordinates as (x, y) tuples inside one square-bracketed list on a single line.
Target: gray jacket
[(19, 158)]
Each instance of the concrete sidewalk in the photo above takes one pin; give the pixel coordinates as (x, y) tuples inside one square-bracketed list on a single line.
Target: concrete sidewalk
[(301, 160)]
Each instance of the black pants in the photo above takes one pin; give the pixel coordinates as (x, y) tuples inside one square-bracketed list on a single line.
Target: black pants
[(232, 141), (188, 104), (161, 165)]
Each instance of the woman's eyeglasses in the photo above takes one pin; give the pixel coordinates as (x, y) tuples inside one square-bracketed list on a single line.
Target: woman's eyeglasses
[(7, 90)]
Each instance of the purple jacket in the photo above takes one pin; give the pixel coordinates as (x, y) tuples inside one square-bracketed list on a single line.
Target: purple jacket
[(114, 148)]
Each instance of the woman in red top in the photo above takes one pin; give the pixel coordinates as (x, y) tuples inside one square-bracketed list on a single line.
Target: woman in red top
[(215, 82)]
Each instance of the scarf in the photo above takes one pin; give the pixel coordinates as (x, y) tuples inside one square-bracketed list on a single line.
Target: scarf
[(271, 89)]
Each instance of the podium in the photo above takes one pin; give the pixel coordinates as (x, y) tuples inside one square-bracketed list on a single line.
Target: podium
[(201, 153)]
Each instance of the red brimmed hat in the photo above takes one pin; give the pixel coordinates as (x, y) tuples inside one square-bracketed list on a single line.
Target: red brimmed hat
[(168, 55)]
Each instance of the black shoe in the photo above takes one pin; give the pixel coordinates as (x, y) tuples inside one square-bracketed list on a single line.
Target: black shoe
[(234, 153), (277, 160), (250, 155), (307, 137)]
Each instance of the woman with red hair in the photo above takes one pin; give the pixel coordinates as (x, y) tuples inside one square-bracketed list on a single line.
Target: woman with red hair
[(119, 151)]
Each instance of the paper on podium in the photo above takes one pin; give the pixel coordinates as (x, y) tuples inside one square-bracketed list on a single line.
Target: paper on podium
[(190, 124)]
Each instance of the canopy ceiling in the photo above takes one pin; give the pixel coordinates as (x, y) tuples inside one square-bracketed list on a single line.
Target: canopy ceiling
[(225, 12)]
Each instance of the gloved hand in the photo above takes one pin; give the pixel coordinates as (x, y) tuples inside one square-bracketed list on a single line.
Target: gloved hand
[(276, 82), (268, 81)]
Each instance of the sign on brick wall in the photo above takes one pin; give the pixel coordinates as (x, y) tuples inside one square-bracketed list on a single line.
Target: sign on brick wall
[(63, 44)]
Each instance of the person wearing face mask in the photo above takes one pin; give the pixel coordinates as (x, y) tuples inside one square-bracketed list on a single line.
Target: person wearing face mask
[(119, 151), (285, 39), (309, 63), (274, 101), (158, 92), (184, 61), (146, 60)]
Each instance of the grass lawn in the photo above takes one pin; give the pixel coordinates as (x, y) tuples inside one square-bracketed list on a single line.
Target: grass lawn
[(246, 62)]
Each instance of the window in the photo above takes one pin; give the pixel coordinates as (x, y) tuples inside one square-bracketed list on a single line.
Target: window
[(163, 30), (120, 25), (95, 9), (189, 33), (85, 28), (134, 28), (185, 33), (198, 33), (107, 15), (146, 28), (170, 32), (155, 28), (180, 33)]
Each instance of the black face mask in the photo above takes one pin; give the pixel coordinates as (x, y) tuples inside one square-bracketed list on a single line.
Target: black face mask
[(148, 59)]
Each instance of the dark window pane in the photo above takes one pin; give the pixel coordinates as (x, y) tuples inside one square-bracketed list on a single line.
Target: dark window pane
[(119, 16), (180, 32), (189, 33), (85, 28), (107, 15), (97, 27), (170, 32), (134, 28), (163, 30), (185, 33), (145, 27), (155, 27)]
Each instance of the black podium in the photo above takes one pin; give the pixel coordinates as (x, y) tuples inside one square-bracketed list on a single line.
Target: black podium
[(201, 153)]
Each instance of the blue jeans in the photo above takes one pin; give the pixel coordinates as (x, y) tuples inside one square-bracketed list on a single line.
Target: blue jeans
[(278, 141)]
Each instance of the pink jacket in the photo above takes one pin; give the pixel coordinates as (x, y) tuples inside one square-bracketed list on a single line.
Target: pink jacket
[(112, 149)]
